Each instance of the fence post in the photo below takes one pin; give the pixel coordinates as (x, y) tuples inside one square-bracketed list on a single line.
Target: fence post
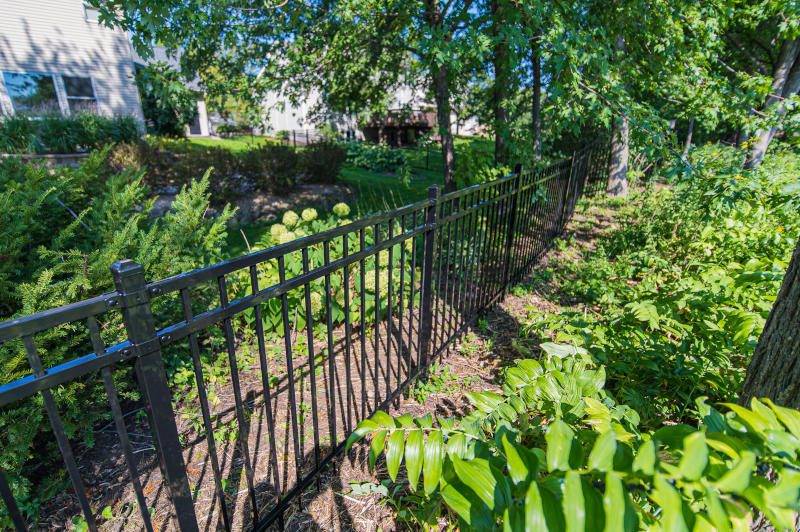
[(426, 300), (140, 326), (512, 227)]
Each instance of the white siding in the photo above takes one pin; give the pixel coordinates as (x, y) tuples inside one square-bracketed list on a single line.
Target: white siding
[(53, 36)]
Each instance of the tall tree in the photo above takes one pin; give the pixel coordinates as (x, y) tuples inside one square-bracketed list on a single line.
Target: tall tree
[(500, 61), (774, 370), (785, 84)]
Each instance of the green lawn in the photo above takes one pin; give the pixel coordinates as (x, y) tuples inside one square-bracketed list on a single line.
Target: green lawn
[(235, 143), (376, 192)]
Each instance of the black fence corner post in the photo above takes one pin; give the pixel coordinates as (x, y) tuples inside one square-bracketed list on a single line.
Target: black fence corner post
[(512, 227), (137, 316), (426, 303)]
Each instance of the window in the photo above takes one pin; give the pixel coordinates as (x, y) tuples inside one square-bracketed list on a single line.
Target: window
[(32, 93), (80, 94), (90, 13)]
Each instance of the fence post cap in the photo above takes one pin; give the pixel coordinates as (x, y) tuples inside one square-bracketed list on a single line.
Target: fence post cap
[(433, 191), (126, 268), (518, 168)]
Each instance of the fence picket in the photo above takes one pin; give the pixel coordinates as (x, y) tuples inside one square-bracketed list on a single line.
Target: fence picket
[(458, 253)]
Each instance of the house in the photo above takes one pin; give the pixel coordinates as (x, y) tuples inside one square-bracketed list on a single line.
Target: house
[(56, 58)]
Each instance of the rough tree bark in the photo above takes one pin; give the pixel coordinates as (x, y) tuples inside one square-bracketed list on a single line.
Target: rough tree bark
[(441, 91), (785, 83), (618, 166), (689, 132), (500, 63), (536, 109), (774, 370)]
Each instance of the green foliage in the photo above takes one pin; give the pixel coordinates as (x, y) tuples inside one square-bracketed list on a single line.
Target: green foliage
[(64, 134), (168, 104), (554, 451), (376, 157), (60, 230), (322, 161), (270, 167), (673, 301)]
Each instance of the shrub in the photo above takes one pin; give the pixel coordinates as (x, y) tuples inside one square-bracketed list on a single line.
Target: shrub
[(271, 167), (18, 135), (60, 230), (375, 157), (322, 161), (554, 450), (65, 134)]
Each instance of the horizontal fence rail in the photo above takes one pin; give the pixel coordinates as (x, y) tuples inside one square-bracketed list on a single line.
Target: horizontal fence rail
[(274, 357)]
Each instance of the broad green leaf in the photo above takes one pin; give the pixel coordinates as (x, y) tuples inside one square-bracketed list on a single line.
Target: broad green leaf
[(645, 461), (534, 511), (469, 508), (716, 511), (666, 496), (477, 475), (619, 515), (758, 495), (737, 479), (394, 453), (457, 445), (485, 401), (363, 428), (561, 350), (414, 457), (753, 421), (559, 445), (432, 461), (522, 463), (406, 421), (695, 456), (382, 418), (790, 418), (602, 456), (786, 492), (376, 447), (573, 503)]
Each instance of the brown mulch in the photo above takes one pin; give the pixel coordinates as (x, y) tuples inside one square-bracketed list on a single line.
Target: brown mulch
[(474, 363)]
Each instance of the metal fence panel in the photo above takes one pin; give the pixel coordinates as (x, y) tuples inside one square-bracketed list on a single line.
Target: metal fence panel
[(354, 314)]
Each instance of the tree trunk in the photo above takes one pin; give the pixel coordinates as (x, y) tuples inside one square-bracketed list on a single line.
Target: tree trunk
[(774, 370), (441, 90), (536, 110), (689, 132), (500, 62), (441, 93), (786, 69), (618, 167)]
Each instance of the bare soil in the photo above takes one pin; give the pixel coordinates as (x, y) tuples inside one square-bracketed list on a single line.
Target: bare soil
[(358, 378)]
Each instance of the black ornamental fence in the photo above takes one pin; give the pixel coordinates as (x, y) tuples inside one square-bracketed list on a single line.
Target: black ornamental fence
[(311, 336)]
